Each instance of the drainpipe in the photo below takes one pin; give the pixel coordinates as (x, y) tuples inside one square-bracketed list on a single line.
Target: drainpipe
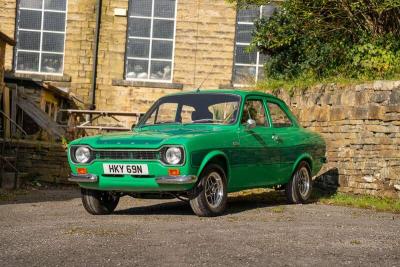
[(92, 93)]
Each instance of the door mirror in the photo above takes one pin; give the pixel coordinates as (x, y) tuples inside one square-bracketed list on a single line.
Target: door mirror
[(250, 124)]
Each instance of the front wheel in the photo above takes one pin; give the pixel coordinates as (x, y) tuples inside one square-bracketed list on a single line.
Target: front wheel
[(299, 188), (211, 193), (98, 202)]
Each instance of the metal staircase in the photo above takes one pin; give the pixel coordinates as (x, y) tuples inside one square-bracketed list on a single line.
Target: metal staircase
[(9, 148)]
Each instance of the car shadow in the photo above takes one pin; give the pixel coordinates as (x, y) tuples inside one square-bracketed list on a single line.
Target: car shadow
[(325, 185), (236, 204)]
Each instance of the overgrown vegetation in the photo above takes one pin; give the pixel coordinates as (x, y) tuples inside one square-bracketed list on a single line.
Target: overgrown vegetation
[(321, 40), (362, 201)]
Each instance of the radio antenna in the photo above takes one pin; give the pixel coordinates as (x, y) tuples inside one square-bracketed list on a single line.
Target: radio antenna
[(206, 78)]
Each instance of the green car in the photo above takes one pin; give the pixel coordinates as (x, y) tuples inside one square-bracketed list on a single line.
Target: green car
[(198, 147)]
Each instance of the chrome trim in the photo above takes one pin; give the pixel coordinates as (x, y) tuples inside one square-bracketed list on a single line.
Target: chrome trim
[(83, 178), (94, 150), (181, 179)]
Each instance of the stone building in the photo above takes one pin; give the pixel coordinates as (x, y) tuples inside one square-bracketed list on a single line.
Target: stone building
[(146, 48)]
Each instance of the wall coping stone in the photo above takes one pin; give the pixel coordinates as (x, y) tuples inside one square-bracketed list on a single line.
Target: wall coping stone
[(41, 77), (121, 82)]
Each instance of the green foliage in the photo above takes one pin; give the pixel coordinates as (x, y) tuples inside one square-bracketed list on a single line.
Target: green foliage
[(319, 39), (362, 201)]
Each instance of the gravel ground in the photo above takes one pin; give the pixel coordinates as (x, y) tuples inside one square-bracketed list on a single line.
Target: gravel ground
[(51, 228)]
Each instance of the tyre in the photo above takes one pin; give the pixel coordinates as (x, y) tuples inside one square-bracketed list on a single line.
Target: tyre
[(98, 202), (299, 188), (211, 193)]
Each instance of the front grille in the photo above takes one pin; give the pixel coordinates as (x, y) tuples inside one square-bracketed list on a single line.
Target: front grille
[(126, 155)]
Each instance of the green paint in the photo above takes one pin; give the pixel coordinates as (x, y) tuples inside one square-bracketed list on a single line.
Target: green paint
[(254, 158)]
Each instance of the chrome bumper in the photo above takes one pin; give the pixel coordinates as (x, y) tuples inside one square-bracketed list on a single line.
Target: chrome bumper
[(182, 179), (83, 178)]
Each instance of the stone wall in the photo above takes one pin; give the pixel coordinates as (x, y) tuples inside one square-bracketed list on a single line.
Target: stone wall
[(43, 161), (361, 125)]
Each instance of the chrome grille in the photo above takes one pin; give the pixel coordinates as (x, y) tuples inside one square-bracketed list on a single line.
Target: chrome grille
[(126, 155)]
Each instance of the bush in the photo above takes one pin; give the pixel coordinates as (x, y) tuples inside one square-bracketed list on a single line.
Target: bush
[(326, 38)]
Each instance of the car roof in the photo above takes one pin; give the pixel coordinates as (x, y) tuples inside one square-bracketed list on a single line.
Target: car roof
[(242, 93)]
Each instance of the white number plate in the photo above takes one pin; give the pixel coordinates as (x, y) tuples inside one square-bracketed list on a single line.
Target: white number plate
[(137, 169)]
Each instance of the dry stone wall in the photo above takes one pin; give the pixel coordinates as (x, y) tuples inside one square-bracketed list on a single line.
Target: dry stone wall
[(361, 125), (42, 161)]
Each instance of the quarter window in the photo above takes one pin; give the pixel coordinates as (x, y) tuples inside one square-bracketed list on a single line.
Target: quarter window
[(248, 67), (150, 40), (40, 30), (254, 109), (278, 116)]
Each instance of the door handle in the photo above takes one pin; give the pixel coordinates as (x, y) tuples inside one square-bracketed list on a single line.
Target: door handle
[(276, 138)]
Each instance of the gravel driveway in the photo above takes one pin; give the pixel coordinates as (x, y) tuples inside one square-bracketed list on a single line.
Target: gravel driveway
[(50, 228)]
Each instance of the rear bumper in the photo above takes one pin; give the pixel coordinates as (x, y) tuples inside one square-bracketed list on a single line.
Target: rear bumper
[(182, 179), (83, 178)]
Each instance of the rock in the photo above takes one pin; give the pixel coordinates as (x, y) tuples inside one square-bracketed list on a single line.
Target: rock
[(397, 187)]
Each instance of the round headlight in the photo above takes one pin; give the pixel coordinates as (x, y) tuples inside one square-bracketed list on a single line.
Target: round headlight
[(82, 154), (173, 155)]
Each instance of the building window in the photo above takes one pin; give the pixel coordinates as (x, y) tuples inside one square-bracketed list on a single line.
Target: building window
[(150, 40), (248, 67), (41, 28)]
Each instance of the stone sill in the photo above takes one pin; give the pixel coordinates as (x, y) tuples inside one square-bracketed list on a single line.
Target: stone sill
[(120, 82), (42, 77)]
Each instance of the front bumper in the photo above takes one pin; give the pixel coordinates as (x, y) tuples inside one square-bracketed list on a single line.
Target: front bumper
[(181, 179), (128, 183), (83, 178)]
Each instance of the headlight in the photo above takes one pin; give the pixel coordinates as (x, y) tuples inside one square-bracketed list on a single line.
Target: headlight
[(82, 154), (173, 155)]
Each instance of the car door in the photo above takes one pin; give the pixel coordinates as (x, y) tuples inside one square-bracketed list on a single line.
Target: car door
[(256, 162), (284, 133)]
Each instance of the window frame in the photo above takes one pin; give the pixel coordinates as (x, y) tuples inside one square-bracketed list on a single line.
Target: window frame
[(236, 44), (151, 38), (266, 111), (281, 106), (40, 51)]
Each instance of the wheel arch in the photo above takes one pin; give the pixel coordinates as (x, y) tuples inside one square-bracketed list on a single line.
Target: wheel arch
[(303, 157), (218, 157)]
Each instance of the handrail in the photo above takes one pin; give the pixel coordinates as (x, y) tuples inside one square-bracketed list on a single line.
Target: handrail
[(13, 122)]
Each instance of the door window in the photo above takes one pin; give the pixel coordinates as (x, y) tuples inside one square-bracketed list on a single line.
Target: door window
[(278, 116), (254, 109)]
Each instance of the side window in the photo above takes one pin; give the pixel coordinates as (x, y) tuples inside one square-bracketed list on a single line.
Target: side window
[(254, 109), (278, 116)]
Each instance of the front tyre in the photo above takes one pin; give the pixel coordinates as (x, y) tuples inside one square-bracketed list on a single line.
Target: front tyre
[(98, 202), (211, 193), (298, 190)]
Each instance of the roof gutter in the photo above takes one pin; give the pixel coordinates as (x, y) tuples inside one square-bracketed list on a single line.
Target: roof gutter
[(92, 93)]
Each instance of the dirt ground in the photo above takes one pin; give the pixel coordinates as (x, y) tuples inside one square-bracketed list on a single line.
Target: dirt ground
[(51, 228)]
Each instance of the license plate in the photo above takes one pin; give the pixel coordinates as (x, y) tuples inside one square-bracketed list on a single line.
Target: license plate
[(137, 169)]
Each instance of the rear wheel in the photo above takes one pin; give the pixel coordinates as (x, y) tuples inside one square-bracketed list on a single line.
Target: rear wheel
[(211, 193), (99, 202), (298, 190)]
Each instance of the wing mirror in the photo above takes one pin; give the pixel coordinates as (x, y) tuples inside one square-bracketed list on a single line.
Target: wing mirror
[(250, 124)]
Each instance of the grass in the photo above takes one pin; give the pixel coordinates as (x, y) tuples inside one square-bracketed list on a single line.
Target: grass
[(362, 201), (11, 195), (304, 83)]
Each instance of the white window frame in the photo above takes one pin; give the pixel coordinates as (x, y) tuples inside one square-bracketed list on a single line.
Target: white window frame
[(40, 51), (257, 65), (151, 38)]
